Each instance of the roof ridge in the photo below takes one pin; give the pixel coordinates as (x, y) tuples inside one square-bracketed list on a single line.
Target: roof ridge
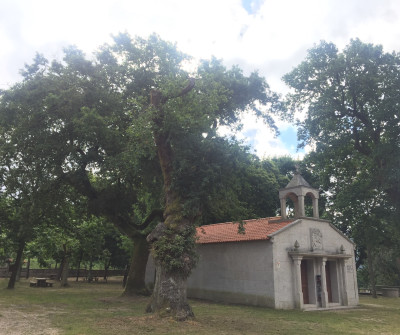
[(268, 218), (255, 229)]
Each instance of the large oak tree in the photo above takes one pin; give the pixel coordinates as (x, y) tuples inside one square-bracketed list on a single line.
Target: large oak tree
[(134, 131), (351, 101), (182, 111)]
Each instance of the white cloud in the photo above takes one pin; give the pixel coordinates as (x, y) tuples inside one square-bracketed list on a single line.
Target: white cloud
[(6, 44), (262, 139)]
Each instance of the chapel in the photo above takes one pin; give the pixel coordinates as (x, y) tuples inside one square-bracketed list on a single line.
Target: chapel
[(285, 263)]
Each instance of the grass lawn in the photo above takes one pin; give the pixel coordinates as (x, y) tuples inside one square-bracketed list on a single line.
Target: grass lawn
[(98, 308)]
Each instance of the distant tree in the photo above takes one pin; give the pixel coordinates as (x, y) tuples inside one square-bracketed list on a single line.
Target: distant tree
[(351, 100), (286, 165), (57, 237), (247, 187), (351, 103), (27, 199), (69, 123), (117, 251)]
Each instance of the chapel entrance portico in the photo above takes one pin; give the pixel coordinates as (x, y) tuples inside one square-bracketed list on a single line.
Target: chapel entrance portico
[(319, 280)]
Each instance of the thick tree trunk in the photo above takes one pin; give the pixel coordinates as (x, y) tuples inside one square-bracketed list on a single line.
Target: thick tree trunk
[(64, 274), (90, 274), (65, 268), (17, 265), (371, 272), (28, 267), (174, 260), (79, 266), (398, 268), (60, 270), (125, 276), (173, 265), (106, 266), (169, 296), (135, 283), (172, 240), (105, 272), (19, 271)]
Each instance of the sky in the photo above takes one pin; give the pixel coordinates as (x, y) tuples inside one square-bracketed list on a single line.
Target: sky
[(268, 36)]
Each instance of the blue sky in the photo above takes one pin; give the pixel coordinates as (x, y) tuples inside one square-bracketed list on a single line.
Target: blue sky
[(271, 36), (287, 139), (251, 6)]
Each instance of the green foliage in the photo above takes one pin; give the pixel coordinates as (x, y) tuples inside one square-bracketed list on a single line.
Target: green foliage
[(238, 185), (119, 248), (350, 99), (132, 132), (387, 268), (71, 123), (352, 120), (176, 251)]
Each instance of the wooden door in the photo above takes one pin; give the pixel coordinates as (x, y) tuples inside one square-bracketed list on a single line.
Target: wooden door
[(328, 281), (304, 282)]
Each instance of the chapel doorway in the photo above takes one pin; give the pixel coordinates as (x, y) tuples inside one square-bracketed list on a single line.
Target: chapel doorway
[(304, 282), (328, 281), (332, 281)]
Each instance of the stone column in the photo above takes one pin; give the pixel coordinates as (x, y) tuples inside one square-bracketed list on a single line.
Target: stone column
[(344, 279), (283, 208), (298, 292), (343, 282), (324, 293), (315, 208), (301, 211)]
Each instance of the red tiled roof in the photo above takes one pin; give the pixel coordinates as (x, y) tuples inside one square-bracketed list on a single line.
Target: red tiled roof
[(257, 229)]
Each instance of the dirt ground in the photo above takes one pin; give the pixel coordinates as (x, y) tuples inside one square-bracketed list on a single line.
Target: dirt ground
[(17, 322)]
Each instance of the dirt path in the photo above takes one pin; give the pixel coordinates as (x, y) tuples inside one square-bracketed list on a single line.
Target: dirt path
[(13, 321)]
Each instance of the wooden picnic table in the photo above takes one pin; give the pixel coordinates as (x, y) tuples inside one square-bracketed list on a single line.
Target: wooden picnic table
[(41, 282)]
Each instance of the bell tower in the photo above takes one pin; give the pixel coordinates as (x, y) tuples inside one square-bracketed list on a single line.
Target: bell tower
[(297, 190)]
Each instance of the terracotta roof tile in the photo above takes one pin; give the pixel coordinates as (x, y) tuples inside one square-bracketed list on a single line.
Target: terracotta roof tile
[(257, 229)]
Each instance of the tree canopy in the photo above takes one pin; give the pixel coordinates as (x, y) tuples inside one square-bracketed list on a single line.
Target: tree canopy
[(68, 123), (351, 102), (351, 99), (136, 134)]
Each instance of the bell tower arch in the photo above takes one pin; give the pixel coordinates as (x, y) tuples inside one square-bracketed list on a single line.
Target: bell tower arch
[(297, 190)]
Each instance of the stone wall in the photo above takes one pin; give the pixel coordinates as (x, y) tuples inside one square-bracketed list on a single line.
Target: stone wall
[(238, 272)]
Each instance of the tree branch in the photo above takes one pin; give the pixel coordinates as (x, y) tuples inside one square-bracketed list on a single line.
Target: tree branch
[(156, 213), (184, 91), (357, 143), (80, 181)]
